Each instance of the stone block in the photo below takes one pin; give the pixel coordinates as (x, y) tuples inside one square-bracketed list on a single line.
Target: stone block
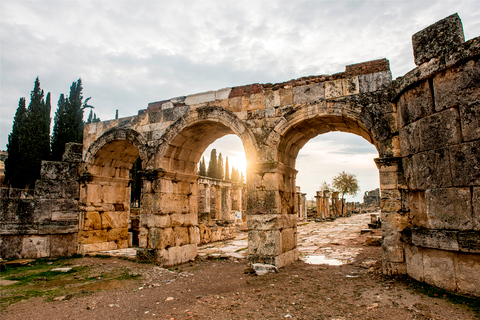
[(143, 238), (374, 81), (431, 169), (264, 242), (449, 208), (122, 244), (64, 245), (438, 39), (414, 104), (414, 262), (272, 99), (94, 247), (177, 219), (73, 152), (310, 93), (271, 221), (439, 268), (94, 236), (457, 86), (11, 246), (56, 170), (440, 129), (476, 208), (467, 271), (181, 236), (393, 248), (48, 189), (435, 239), (92, 221), (350, 86), (194, 235), (199, 98), (466, 171), (190, 219), (470, 119), (418, 209), (161, 238), (410, 139), (286, 96), (390, 200), (35, 246), (65, 216), (289, 239), (285, 258), (333, 89), (161, 221), (469, 241), (205, 234), (117, 234), (114, 220)]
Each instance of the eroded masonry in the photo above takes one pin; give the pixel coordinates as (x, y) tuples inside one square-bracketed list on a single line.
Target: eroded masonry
[(424, 125)]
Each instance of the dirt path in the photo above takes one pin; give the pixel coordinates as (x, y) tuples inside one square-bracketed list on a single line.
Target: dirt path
[(219, 289)]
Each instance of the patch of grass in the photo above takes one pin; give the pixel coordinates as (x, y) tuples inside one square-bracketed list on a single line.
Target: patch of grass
[(240, 250), (304, 224), (128, 276), (434, 292), (36, 276)]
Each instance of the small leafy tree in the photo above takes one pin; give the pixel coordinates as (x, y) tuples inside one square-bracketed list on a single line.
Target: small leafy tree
[(324, 186), (346, 184)]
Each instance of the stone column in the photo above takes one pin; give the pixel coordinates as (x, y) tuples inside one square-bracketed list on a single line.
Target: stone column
[(326, 203), (271, 218), (394, 220), (168, 217)]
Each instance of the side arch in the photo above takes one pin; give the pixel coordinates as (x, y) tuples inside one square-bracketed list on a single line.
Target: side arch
[(124, 141)]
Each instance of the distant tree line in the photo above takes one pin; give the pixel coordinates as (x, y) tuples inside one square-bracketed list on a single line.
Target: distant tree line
[(30, 142), (216, 169)]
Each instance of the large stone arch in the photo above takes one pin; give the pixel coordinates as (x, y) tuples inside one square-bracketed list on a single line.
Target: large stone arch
[(182, 144)]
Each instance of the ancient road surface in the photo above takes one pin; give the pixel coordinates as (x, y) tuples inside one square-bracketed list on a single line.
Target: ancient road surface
[(213, 287)]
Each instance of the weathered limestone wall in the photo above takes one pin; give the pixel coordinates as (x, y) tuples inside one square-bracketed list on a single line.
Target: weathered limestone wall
[(438, 107), (43, 222), (301, 204)]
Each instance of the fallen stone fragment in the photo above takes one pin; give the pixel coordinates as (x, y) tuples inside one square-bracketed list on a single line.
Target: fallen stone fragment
[(367, 264), (363, 231), (374, 241), (67, 269), (261, 268), (169, 299)]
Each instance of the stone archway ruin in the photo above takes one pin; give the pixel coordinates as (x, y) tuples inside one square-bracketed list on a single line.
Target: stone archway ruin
[(425, 127)]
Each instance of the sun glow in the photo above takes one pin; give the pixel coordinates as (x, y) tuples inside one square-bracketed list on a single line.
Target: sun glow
[(229, 146)]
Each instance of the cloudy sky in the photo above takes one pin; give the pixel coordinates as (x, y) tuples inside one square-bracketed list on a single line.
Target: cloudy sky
[(130, 53)]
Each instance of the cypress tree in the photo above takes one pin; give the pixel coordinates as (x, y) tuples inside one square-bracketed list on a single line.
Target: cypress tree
[(35, 140), (202, 170), (212, 164), (235, 176), (227, 170), (69, 124), (13, 170), (220, 169)]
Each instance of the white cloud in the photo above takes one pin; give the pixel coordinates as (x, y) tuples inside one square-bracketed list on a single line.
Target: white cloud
[(130, 53)]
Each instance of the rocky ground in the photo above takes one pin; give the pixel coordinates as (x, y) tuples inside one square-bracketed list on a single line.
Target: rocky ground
[(346, 285)]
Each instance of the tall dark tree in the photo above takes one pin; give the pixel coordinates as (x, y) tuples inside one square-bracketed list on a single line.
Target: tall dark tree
[(227, 170), (14, 174), (35, 140), (69, 124), (202, 170), (59, 129), (220, 168), (235, 177), (116, 114), (212, 164)]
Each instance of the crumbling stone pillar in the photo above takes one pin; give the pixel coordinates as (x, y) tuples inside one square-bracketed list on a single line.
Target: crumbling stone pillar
[(271, 218), (168, 218), (320, 205), (438, 107)]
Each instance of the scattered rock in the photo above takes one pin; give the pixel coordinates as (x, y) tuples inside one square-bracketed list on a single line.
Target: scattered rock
[(261, 269), (368, 263), (374, 241), (62, 269), (170, 299), (363, 231)]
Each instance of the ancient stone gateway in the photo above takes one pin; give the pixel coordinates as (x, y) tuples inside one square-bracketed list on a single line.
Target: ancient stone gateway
[(425, 127)]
